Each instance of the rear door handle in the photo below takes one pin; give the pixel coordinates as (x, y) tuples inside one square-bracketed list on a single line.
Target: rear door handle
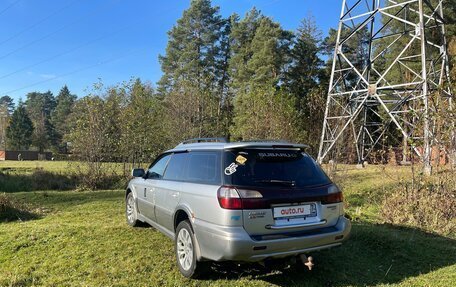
[(175, 194)]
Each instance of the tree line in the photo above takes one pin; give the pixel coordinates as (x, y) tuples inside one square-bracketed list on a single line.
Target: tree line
[(243, 78), (39, 122)]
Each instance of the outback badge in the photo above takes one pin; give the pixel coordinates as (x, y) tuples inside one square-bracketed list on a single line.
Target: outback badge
[(256, 214)]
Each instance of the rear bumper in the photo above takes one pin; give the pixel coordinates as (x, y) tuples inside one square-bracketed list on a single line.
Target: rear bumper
[(221, 243)]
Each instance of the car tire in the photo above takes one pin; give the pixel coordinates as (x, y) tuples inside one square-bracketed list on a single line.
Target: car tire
[(130, 210), (185, 250)]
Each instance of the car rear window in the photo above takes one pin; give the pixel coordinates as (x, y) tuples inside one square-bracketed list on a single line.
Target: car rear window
[(195, 166), (260, 167), (204, 167)]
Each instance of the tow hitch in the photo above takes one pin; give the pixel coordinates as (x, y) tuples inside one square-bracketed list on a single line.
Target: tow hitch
[(307, 261)]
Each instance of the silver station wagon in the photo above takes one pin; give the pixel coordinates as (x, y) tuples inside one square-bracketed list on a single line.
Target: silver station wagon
[(241, 201)]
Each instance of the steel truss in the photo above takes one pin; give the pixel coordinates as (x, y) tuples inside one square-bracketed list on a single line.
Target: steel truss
[(390, 61)]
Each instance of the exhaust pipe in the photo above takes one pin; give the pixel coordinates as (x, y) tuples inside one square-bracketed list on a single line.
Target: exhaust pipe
[(307, 261)]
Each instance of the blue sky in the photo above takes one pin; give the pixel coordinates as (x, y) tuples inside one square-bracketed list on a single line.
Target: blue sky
[(45, 44)]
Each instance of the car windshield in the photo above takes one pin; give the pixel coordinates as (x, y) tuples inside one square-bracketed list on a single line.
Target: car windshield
[(260, 167)]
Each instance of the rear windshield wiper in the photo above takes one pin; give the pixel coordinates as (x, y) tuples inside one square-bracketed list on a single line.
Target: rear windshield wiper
[(278, 181)]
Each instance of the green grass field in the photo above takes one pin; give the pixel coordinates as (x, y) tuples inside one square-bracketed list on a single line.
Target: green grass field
[(75, 238)]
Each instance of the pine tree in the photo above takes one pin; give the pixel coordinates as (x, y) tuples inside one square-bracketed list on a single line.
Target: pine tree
[(241, 37), (60, 115), (270, 56), (193, 46), (261, 109), (195, 60), (20, 130), (305, 72), (40, 103), (39, 107), (4, 120), (306, 80), (8, 102)]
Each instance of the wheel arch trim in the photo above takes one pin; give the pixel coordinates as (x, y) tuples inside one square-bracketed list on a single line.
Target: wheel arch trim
[(185, 208), (135, 198)]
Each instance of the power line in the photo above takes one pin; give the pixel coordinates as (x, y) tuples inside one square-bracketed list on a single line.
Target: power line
[(74, 49), (60, 54), (36, 23), (49, 34), (69, 51), (9, 6), (73, 72)]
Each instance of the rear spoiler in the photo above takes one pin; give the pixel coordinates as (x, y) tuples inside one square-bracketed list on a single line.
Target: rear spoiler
[(278, 145)]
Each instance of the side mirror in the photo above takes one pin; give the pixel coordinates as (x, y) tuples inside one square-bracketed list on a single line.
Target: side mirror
[(137, 172)]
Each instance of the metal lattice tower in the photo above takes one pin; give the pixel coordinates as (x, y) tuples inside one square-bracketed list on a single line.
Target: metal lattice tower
[(390, 59)]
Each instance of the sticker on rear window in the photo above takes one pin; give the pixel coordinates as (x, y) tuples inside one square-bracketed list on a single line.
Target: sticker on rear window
[(229, 170), (240, 159)]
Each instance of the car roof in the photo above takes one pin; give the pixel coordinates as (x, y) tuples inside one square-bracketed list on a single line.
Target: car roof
[(222, 144)]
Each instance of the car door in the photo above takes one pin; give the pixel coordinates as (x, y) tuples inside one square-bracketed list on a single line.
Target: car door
[(140, 189), (147, 189), (168, 190)]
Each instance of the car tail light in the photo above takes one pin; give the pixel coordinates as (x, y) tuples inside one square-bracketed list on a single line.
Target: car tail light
[(229, 198), (334, 195), (333, 198), (232, 198), (247, 193)]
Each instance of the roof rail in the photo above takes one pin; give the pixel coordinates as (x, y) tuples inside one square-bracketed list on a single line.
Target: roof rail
[(205, 140), (265, 141)]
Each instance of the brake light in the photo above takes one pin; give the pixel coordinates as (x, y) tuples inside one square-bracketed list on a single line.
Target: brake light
[(229, 198), (333, 198), (334, 195), (232, 198)]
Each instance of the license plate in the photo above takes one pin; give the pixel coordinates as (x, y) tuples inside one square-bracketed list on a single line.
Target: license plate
[(305, 210)]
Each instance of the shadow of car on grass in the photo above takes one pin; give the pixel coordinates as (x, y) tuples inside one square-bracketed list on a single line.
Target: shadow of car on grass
[(375, 254)]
